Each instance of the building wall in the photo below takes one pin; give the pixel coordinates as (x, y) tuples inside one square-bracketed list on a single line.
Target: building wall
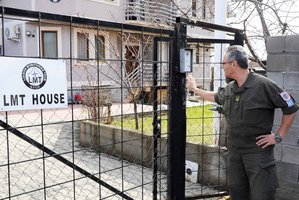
[(31, 40), (98, 9), (29, 45), (63, 7), (283, 68), (25, 4)]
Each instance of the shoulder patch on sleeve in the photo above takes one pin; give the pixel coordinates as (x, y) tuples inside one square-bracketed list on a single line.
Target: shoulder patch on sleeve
[(287, 98)]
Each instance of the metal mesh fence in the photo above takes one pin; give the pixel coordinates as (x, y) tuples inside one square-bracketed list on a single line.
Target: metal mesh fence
[(206, 133), (111, 140), (101, 145)]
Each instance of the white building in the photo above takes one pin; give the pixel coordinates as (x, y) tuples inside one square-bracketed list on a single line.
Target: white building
[(88, 45)]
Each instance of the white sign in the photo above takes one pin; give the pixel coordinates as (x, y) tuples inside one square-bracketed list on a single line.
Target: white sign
[(32, 84)]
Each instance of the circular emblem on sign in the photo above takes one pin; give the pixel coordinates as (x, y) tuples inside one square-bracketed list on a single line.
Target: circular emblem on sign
[(34, 76), (55, 1), (7, 32)]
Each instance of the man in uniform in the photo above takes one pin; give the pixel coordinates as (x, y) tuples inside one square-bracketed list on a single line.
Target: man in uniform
[(249, 102)]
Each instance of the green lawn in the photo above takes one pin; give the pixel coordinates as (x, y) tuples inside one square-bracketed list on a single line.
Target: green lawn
[(199, 124)]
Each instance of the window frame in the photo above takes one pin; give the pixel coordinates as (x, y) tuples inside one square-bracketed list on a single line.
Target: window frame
[(77, 47), (43, 44), (103, 45), (59, 40)]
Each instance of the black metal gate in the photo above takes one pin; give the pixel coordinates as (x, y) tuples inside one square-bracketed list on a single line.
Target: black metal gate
[(123, 134), (202, 158), (109, 143)]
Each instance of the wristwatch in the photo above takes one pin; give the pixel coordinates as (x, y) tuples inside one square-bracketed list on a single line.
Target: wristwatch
[(278, 138)]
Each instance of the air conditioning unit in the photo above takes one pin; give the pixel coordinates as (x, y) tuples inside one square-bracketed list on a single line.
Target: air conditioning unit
[(13, 33)]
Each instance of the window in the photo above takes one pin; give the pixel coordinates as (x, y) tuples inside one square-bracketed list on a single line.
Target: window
[(82, 46), (100, 47), (49, 44)]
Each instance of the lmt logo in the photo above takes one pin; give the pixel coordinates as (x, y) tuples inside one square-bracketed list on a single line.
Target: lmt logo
[(34, 76)]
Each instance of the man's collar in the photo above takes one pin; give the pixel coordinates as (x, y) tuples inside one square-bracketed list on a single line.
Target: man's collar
[(248, 83)]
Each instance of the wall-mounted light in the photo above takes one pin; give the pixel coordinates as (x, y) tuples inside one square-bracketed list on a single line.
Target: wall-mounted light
[(28, 33)]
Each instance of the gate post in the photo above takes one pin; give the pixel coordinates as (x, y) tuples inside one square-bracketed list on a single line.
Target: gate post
[(177, 120), (239, 38)]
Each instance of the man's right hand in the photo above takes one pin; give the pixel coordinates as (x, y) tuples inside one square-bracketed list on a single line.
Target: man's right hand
[(190, 83)]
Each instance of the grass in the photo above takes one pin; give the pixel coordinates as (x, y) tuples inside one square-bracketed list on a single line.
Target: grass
[(199, 124)]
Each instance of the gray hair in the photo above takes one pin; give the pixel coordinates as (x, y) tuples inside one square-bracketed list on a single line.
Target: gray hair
[(237, 52)]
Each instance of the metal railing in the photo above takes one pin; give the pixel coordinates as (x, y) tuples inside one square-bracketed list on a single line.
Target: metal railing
[(145, 73), (150, 11), (134, 76)]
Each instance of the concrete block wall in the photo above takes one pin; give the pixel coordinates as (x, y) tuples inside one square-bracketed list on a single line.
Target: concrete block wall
[(135, 148), (283, 68)]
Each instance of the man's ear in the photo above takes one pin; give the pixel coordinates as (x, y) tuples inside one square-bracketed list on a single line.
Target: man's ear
[(234, 63)]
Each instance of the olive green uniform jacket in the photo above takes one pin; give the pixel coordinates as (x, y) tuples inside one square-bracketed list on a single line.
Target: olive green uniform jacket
[(249, 110)]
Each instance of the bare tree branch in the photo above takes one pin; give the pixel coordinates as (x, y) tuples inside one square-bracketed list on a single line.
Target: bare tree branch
[(274, 18), (256, 58)]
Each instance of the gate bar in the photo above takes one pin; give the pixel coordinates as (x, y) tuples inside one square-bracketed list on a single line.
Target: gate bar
[(220, 194), (156, 133), (239, 34), (156, 121), (62, 159), (177, 120), (208, 25), (209, 40)]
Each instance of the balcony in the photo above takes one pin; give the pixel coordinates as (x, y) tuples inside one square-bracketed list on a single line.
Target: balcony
[(150, 12)]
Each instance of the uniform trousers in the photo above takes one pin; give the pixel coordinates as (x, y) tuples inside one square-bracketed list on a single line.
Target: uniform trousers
[(252, 176)]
